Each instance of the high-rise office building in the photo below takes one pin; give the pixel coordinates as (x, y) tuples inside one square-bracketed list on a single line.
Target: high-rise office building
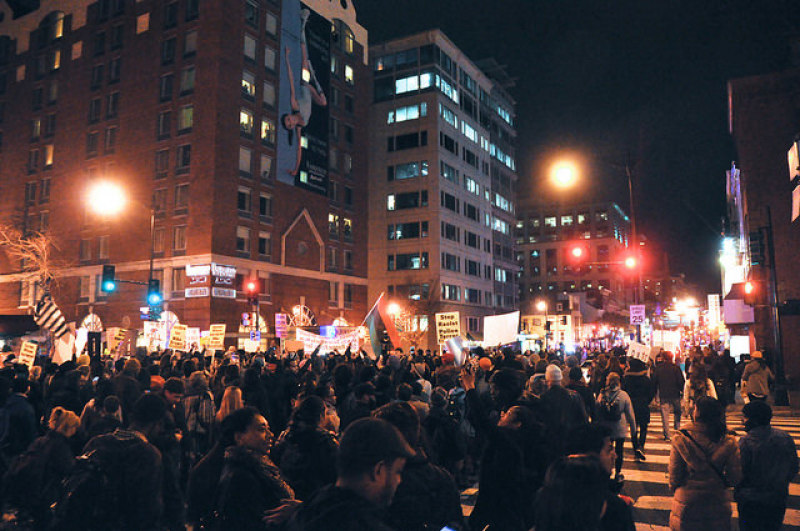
[(237, 124), (442, 183)]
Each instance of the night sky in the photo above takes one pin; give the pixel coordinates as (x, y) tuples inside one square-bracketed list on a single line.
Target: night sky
[(620, 81)]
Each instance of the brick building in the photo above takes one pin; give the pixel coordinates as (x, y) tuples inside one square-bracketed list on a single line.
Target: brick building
[(180, 104)]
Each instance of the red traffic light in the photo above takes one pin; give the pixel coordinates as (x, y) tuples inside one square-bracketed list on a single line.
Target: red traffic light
[(749, 287), (578, 252)]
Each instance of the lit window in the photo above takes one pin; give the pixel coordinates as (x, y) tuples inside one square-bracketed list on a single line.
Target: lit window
[(246, 122), (348, 75), (248, 85), (186, 118), (268, 131)]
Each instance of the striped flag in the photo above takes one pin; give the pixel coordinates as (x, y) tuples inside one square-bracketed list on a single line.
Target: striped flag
[(379, 311), (48, 316)]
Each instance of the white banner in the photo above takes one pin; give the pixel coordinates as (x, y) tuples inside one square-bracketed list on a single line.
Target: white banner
[(639, 351), (500, 329), (64, 346), (448, 326), (340, 343)]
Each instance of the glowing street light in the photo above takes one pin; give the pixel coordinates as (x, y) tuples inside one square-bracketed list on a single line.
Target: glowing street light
[(541, 306), (630, 262), (106, 198), (564, 173)]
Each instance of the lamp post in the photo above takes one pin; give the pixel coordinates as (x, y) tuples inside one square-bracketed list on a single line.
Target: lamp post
[(541, 305)]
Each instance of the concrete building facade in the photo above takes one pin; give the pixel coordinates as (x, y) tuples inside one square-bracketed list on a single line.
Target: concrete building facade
[(442, 183)]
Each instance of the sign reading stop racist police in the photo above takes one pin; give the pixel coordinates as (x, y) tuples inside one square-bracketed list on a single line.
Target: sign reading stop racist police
[(448, 326)]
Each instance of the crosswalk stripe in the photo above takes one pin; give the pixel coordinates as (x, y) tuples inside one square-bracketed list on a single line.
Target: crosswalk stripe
[(664, 503)]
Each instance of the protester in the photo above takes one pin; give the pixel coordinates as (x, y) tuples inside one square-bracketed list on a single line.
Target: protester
[(595, 440), (697, 386), (614, 410), (669, 382), (251, 484), (640, 389), (372, 454), (769, 463), (512, 465), (703, 463), (305, 452), (573, 496), (563, 408), (757, 377)]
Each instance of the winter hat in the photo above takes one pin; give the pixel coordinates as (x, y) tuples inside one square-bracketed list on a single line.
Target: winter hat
[(485, 363), (757, 355), (553, 374)]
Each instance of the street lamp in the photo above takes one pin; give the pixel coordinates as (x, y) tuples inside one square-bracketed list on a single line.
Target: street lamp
[(108, 198), (564, 173), (541, 305)]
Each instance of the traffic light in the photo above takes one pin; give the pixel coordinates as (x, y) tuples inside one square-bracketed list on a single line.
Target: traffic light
[(752, 292), (108, 284), (756, 240), (154, 296), (578, 256), (251, 290)]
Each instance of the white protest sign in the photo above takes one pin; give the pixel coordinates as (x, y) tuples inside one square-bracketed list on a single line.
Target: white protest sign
[(329, 344), (500, 329), (63, 350), (177, 339), (27, 353), (216, 337), (637, 314), (639, 351), (192, 337), (448, 326)]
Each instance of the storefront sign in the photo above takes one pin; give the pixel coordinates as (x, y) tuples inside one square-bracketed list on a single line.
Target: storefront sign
[(212, 279)]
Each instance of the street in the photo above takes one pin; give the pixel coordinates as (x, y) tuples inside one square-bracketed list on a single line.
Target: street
[(647, 482)]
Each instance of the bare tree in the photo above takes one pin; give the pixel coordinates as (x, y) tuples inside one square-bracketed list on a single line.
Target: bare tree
[(34, 252), (410, 329)]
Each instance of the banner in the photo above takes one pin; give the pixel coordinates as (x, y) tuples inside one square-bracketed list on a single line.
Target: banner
[(639, 351), (448, 326), (456, 347), (27, 353), (500, 329), (304, 62), (177, 340), (216, 337), (329, 344)]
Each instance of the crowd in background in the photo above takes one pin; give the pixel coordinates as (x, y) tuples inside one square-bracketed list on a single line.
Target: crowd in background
[(339, 441)]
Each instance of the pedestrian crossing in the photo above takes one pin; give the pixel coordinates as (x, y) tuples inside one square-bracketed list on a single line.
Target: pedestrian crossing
[(647, 482)]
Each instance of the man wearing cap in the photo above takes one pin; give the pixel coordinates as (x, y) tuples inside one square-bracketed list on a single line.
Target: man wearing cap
[(372, 454), (563, 408), (757, 377), (769, 463)]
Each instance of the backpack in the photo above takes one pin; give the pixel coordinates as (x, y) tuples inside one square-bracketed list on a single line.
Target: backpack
[(609, 410), (89, 497)]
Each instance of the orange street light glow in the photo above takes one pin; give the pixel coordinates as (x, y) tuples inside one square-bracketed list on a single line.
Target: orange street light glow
[(564, 174), (630, 262)]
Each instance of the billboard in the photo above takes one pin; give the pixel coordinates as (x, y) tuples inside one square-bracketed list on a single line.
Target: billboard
[(302, 103)]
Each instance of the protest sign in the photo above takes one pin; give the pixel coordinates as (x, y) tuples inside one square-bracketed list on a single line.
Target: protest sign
[(216, 337), (27, 353), (639, 351), (500, 329), (448, 326), (177, 339)]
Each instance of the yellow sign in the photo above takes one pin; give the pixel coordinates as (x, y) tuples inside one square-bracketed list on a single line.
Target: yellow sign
[(27, 353), (216, 337), (448, 326), (177, 338)]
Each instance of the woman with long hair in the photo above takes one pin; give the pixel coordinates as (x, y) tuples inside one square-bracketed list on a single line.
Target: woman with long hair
[(231, 401), (703, 463), (697, 385)]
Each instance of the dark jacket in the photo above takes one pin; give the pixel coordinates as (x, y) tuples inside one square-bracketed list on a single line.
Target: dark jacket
[(137, 476), (512, 470), (340, 509), (306, 456), (426, 499), (769, 463), (668, 380), (128, 391), (447, 443), (17, 425), (203, 481), (586, 395), (250, 486), (618, 515), (564, 410), (642, 391)]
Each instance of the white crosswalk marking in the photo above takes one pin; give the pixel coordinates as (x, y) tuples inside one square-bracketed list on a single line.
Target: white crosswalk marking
[(648, 484)]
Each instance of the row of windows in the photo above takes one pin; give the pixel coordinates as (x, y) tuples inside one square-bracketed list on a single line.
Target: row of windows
[(244, 235), (339, 225), (407, 261), (43, 187), (407, 170), (570, 285)]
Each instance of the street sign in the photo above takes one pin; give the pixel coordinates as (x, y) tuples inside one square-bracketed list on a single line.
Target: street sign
[(255, 335), (637, 314), (246, 319)]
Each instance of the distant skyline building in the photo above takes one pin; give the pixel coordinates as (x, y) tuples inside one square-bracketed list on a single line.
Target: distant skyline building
[(184, 105), (442, 182)]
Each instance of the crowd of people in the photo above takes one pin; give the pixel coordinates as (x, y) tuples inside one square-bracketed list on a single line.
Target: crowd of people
[(339, 441)]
